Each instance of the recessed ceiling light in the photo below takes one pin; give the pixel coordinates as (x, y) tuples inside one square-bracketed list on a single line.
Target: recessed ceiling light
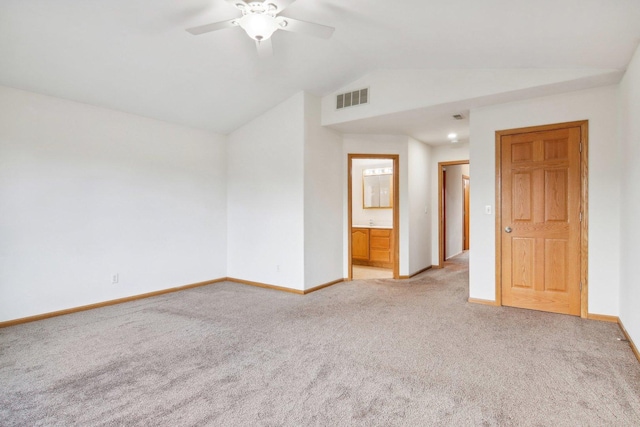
[(452, 136)]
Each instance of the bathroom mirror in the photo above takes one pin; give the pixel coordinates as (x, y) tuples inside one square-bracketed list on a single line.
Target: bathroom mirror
[(377, 188)]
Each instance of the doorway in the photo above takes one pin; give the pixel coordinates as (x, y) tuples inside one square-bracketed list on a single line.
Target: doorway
[(541, 218), (453, 205), (373, 215), (466, 187)]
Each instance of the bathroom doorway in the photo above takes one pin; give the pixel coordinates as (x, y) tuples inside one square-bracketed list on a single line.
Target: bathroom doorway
[(373, 216)]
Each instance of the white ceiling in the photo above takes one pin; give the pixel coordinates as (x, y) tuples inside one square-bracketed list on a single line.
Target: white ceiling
[(134, 55)]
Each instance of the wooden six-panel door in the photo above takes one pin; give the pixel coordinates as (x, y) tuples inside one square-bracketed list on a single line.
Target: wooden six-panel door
[(540, 220)]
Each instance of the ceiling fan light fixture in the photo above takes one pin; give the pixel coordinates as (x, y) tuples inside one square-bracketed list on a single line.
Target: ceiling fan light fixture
[(260, 20), (258, 26)]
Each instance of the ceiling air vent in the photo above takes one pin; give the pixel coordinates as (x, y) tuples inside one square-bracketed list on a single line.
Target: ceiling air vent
[(351, 99), (458, 116)]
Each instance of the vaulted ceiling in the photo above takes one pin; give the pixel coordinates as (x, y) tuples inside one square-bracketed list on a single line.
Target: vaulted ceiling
[(135, 55)]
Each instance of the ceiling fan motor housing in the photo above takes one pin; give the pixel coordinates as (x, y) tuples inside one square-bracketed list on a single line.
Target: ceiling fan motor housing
[(257, 7)]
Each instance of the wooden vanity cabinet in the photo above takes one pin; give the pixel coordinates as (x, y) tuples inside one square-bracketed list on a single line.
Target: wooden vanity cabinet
[(380, 245), (360, 244), (372, 247)]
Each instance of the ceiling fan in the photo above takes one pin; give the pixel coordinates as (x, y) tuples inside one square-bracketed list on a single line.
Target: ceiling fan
[(260, 20)]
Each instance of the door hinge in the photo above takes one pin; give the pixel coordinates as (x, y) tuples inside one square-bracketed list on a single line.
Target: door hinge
[(580, 216), (580, 286), (581, 147)]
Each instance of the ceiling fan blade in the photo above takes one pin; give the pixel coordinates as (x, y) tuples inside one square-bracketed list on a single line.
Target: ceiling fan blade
[(308, 28), (211, 27), (265, 48), (280, 4)]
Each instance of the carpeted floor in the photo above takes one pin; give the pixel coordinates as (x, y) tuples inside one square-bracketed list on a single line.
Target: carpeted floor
[(378, 353)]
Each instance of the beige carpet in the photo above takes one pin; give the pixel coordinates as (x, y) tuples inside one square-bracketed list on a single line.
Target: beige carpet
[(380, 353)]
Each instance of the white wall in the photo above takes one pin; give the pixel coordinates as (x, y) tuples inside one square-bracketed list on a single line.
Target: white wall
[(419, 162), (630, 196), (380, 144), (323, 256), (455, 209), (265, 197), (396, 90), (359, 215), (442, 153), (87, 192), (599, 107)]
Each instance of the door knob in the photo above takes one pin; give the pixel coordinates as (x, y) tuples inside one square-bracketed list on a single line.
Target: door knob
[(508, 229)]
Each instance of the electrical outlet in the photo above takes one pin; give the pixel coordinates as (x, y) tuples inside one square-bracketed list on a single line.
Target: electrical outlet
[(115, 278)]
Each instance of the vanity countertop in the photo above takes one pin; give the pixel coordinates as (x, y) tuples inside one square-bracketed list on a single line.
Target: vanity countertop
[(386, 227)]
